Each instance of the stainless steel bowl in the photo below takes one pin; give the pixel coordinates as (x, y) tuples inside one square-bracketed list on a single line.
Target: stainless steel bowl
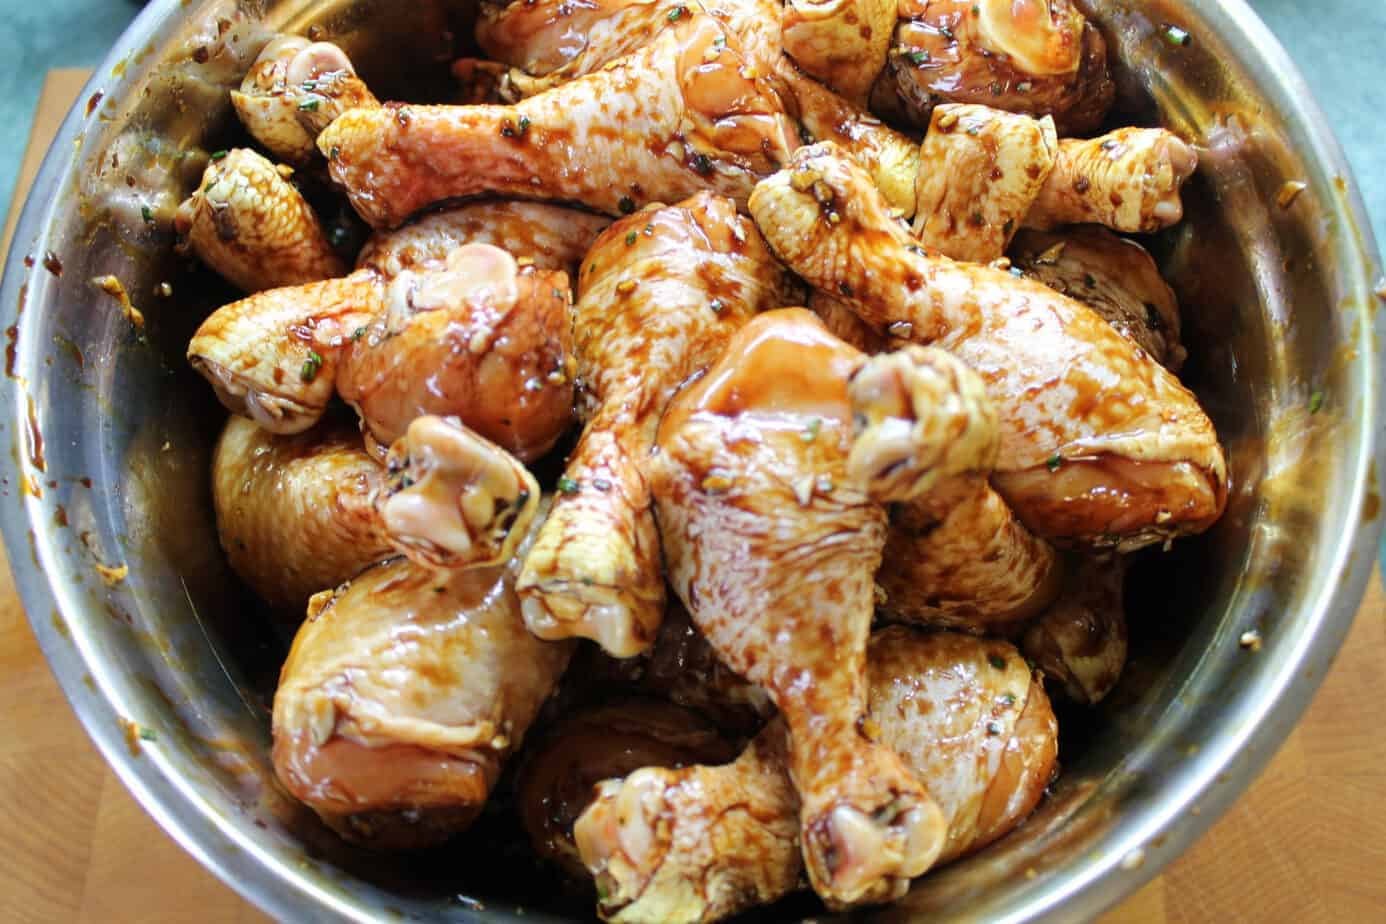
[(170, 668)]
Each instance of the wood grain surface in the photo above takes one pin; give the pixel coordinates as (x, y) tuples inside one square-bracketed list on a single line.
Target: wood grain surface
[(1305, 844)]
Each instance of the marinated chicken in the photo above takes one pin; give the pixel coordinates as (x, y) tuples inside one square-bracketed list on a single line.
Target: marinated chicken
[(251, 225), (484, 339), (1099, 443), (660, 293), (295, 514), (769, 503), (559, 769), (980, 172), (294, 88), (684, 113), (841, 43), (970, 424), (1114, 277), (1080, 641), (965, 715), (404, 694), (1039, 57), (549, 236)]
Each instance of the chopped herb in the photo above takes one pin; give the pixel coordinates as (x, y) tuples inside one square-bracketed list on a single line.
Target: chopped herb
[(676, 12), (1177, 37), (309, 105), (918, 56), (716, 306), (524, 124), (1024, 86), (1316, 402), (311, 365), (649, 230), (148, 734), (358, 333), (631, 238), (218, 155), (974, 130), (1008, 227), (996, 88), (811, 431), (568, 485), (626, 205), (702, 164), (1008, 699), (996, 661), (994, 728), (146, 213), (1089, 280), (1053, 462), (978, 219), (336, 149)]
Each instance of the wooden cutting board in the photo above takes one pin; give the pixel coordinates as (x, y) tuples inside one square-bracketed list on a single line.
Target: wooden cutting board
[(1306, 843)]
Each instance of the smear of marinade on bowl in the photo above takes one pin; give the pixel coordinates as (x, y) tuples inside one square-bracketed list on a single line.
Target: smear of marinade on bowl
[(738, 423)]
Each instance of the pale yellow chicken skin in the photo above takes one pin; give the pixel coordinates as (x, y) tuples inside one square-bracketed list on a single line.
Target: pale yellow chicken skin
[(660, 293), (251, 225), (1040, 57), (841, 43), (1099, 443), (552, 237), (772, 526), (555, 780), (698, 844), (682, 114), (484, 339), (403, 695), (295, 514)]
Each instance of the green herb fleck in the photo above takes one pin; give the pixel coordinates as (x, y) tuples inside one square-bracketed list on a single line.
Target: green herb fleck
[(996, 661), (918, 56), (311, 366), (358, 333), (631, 238), (716, 306), (1008, 699), (218, 155), (626, 205), (309, 105), (148, 734), (677, 12), (1177, 37), (1053, 462), (146, 213), (336, 149), (1316, 402), (524, 124), (1089, 280), (702, 164), (811, 431), (568, 486)]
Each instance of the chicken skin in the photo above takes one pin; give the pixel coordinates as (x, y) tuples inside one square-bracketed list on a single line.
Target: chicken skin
[(1039, 57), (485, 339), (1129, 180), (550, 236), (1080, 641), (294, 513), (1113, 276), (682, 114), (273, 357), (698, 844), (1099, 443), (403, 695), (980, 172), (841, 43), (661, 292), (768, 480), (559, 769), (293, 86), (249, 223)]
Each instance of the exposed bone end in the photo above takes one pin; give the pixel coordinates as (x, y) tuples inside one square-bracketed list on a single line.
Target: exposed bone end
[(314, 60), (862, 857), (624, 624), (621, 841), (920, 415), (453, 499), (1042, 37)]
